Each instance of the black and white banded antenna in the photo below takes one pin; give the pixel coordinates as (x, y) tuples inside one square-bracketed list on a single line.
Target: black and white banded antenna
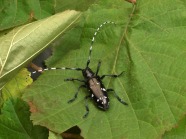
[(55, 68), (93, 38), (90, 51)]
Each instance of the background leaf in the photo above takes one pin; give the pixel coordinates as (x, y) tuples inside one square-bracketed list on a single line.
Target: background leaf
[(54, 136), (16, 85), (20, 45), (14, 13), (79, 5), (15, 122), (177, 132), (148, 43)]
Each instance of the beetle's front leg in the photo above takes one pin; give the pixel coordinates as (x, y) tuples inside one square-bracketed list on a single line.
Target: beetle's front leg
[(114, 75), (98, 67), (73, 79)]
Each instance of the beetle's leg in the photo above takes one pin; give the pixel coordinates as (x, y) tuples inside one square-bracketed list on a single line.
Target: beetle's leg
[(118, 98), (114, 75), (86, 106), (76, 94), (98, 67), (73, 79)]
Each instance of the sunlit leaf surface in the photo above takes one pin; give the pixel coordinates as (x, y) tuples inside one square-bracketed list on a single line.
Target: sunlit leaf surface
[(20, 45)]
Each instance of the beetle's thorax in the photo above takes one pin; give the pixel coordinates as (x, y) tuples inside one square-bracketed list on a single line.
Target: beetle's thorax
[(88, 73)]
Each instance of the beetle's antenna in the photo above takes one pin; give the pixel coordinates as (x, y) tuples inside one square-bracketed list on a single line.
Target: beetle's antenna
[(95, 33), (62, 68)]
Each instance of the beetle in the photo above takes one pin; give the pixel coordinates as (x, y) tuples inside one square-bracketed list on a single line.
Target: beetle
[(92, 81)]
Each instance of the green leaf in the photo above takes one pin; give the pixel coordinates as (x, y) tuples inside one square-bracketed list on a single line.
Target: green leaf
[(14, 13), (14, 87), (148, 43), (79, 5), (15, 122), (20, 45), (54, 136), (177, 132)]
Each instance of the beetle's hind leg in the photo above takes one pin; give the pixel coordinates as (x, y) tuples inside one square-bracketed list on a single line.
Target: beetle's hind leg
[(118, 98), (76, 94), (86, 106)]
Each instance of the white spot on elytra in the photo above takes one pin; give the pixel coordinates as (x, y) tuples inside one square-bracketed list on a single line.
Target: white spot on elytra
[(97, 100), (92, 95)]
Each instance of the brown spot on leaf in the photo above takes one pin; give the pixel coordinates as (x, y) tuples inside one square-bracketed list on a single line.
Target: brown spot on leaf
[(31, 16), (131, 1), (33, 108)]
